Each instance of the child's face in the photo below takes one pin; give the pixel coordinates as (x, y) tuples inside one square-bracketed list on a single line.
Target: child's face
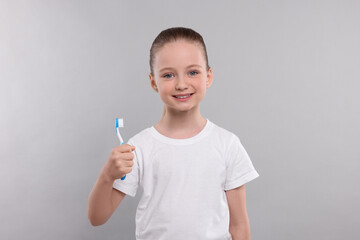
[(180, 68)]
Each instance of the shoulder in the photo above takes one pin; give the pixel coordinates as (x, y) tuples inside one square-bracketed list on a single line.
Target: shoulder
[(227, 140), (224, 135), (140, 137)]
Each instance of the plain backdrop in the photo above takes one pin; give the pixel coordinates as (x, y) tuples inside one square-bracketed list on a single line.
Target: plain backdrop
[(286, 81)]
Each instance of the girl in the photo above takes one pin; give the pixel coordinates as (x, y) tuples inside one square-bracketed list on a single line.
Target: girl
[(191, 170)]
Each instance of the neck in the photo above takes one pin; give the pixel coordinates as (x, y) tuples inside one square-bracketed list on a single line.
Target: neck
[(181, 120)]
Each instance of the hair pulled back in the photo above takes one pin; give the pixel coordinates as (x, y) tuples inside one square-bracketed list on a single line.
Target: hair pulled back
[(171, 35)]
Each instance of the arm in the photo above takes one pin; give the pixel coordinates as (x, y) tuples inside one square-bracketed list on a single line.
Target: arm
[(103, 201), (239, 221)]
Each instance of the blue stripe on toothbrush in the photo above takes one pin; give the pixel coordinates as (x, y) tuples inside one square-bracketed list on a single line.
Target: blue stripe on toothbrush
[(117, 125), (125, 175)]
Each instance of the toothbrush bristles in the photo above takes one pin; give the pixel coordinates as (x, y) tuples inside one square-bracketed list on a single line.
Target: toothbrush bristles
[(119, 122)]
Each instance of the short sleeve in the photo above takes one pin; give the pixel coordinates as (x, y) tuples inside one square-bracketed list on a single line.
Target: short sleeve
[(240, 169), (130, 184)]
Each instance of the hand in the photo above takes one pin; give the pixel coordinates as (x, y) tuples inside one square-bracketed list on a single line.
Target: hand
[(119, 163)]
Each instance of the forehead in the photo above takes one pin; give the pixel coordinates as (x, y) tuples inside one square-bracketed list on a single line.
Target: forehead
[(180, 53)]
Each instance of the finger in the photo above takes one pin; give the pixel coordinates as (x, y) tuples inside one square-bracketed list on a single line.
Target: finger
[(127, 156), (125, 148)]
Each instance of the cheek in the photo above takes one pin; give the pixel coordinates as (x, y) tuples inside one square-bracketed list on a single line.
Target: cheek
[(201, 85), (166, 89)]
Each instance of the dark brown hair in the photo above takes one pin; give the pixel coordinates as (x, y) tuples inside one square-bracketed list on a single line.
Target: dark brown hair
[(173, 34)]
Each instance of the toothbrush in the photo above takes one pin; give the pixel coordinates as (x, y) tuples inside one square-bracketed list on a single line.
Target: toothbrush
[(119, 124)]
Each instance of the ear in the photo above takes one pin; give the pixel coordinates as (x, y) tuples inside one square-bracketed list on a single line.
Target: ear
[(209, 78), (153, 82)]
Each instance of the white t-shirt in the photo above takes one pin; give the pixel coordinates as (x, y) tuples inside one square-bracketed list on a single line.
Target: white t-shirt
[(184, 183)]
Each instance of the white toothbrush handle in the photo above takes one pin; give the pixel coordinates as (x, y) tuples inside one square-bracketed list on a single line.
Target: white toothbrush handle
[(121, 143), (119, 136)]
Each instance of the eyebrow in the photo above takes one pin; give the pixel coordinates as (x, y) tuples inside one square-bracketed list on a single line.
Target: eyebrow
[(190, 66)]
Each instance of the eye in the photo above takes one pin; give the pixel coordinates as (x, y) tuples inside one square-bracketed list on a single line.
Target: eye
[(193, 73), (168, 75)]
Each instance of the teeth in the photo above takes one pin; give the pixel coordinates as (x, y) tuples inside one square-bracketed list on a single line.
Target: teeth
[(183, 96)]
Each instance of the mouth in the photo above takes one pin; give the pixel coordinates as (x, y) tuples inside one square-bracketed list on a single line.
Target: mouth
[(183, 97)]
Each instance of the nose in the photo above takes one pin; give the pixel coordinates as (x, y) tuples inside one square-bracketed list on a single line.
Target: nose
[(181, 83)]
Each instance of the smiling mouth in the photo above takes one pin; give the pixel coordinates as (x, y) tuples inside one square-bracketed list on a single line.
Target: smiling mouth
[(182, 96)]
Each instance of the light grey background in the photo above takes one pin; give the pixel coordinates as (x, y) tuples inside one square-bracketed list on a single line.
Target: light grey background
[(286, 81)]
